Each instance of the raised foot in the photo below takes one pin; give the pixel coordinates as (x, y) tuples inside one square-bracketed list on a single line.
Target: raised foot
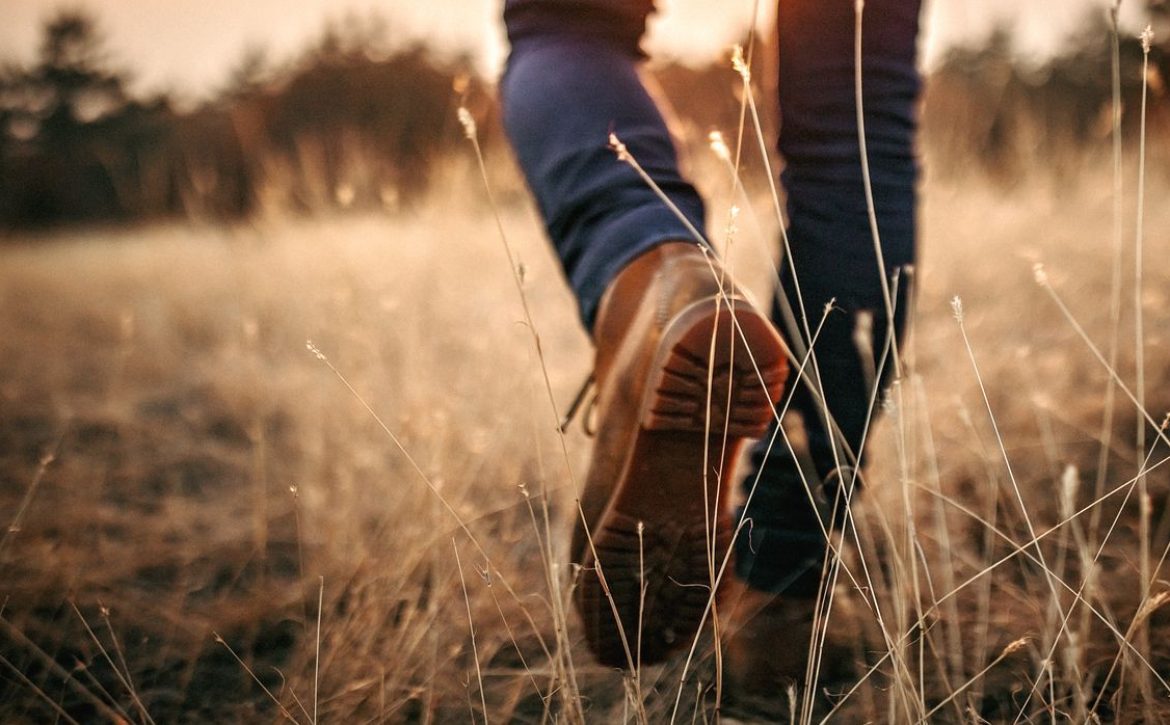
[(719, 374), (712, 384)]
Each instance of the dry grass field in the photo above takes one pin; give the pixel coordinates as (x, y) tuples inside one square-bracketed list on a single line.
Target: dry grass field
[(204, 521)]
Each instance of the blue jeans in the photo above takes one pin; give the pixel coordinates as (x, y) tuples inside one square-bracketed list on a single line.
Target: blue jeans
[(571, 80)]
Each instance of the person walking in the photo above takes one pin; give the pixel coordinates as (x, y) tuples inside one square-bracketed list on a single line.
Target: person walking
[(687, 370)]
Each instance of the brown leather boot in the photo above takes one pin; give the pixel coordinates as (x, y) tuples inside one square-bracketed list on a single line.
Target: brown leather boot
[(655, 494)]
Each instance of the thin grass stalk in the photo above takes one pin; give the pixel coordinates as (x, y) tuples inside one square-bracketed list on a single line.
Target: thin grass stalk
[(711, 508), (24, 680), (1143, 632), (1106, 435), (870, 208), (897, 409), (873, 601), (122, 674), (1115, 292), (638, 706), (471, 630), (1007, 651), (433, 576), (317, 656), (958, 308), (850, 524), (87, 673), (794, 329), (711, 512), (834, 561), (1166, 550), (547, 566), (822, 609), (911, 543), (561, 659), (1067, 547), (886, 577), (982, 626), (891, 341), (942, 531), (279, 705), (42, 466), (105, 612), (1073, 544), (936, 644), (469, 129), (1066, 502), (1041, 278), (744, 99)]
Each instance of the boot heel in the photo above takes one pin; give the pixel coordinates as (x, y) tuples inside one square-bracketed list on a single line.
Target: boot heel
[(728, 387)]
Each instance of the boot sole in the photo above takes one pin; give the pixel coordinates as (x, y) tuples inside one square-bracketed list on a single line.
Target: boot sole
[(659, 578)]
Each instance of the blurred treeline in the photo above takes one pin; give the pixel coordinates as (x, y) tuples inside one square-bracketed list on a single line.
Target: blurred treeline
[(350, 122), (986, 111), (355, 122)]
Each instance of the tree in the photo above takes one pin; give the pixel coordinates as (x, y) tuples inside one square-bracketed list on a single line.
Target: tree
[(71, 84)]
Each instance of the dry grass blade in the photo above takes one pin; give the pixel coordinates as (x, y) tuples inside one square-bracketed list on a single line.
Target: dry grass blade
[(1144, 530), (1041, 277), (317, 654), (14, 527), (15, 635), (123, 673), (870, 207), (1007, 652), (32, 687), (1019, 497), (470, 132), (471, 629), (273, 698)]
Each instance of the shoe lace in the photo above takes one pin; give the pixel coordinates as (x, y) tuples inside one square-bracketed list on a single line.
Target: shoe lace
[(579, 403)]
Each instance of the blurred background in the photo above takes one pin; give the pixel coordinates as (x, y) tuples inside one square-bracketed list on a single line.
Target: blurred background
[(118, 111)]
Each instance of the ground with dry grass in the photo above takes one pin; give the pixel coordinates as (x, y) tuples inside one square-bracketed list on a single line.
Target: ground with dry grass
[(206, 522)]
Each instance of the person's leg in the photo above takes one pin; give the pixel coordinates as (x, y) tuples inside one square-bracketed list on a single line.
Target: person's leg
[(781, 548), (571, 80), (677, 390), (833, 256)]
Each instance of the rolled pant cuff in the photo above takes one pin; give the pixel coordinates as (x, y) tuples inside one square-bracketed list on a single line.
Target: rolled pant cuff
[(620, 239)]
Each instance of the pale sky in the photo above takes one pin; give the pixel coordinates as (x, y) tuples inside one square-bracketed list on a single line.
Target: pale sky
[(190, 45)]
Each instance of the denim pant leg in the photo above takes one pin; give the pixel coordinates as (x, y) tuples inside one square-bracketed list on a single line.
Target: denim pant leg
[(833, 255), (570, 81)]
